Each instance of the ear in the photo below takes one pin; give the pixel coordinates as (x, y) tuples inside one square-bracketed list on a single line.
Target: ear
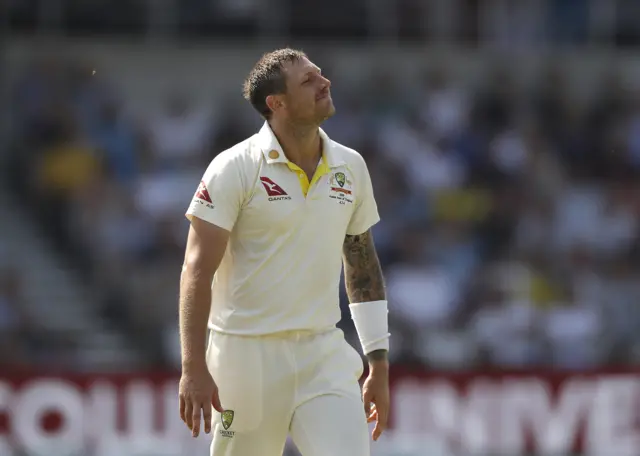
[(274, 102)]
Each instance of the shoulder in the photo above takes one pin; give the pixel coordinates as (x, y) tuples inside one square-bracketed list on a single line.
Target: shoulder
[(243, 157), (351, 157)]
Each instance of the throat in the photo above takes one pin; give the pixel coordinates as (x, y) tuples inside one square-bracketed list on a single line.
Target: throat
[(309, 171), (308, 167)]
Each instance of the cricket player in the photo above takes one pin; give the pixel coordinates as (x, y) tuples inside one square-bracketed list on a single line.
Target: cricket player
[(272, 222)]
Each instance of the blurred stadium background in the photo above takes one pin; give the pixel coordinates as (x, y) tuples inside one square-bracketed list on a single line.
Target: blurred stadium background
[(503, 137)]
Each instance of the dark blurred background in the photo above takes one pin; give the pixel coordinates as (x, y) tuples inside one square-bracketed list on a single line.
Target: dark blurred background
[(503, 139)]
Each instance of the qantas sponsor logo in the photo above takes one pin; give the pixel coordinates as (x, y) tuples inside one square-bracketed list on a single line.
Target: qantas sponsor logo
[(274, 191), (202, 193)]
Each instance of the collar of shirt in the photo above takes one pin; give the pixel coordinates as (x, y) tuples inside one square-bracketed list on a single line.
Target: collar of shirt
[(273, 152)]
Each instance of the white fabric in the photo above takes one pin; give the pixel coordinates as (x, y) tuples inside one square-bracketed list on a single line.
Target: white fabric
[(371, 320), (302, 383), (282, 267)]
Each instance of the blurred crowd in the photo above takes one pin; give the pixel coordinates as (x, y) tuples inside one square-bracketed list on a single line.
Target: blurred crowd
[(510, 229), (505, 23)]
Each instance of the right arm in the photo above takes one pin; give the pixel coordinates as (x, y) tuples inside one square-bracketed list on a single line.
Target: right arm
[(213, 213), (206, 244), (198, 393)]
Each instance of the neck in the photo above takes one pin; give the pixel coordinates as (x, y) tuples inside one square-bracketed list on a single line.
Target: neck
[(300, 143)]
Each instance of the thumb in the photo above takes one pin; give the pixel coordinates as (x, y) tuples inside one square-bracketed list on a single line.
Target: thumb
[(215, 401)]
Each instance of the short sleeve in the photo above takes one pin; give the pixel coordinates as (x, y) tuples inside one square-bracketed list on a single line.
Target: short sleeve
[(219, 196), (366, 211)]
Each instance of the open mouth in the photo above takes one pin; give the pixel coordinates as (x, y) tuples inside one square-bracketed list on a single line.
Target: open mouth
[(322, 96)]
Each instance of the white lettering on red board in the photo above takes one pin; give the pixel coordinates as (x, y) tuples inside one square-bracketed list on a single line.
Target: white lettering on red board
[(595, 415), (511, 416), (90, 419)]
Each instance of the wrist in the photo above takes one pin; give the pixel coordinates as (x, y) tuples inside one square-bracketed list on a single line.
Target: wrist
[(377, 368), (194, 365), (378, 360)]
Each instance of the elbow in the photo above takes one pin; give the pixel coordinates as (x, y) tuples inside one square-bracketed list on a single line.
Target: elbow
[(192, 271), (195, 268), (186, 270)]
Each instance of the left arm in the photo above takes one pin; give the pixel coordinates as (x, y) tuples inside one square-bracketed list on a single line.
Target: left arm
[(365, 287), (364, 282)]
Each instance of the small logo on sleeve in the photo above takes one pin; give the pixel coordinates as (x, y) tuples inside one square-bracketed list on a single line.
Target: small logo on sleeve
[(202, 196), (202, 193), (274, 191)]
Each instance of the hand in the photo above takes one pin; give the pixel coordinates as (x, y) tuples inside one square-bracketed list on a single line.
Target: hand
[(375, 395), (198, 393)]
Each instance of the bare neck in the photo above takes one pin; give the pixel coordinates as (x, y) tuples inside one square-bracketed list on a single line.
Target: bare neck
[(301, 144)]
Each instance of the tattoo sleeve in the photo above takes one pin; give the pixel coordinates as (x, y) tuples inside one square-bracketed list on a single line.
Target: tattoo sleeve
[(363, 276), (362, 272)]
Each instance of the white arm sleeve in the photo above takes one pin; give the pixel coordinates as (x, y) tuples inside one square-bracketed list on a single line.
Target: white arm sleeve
[(366, 211), (220, 194)]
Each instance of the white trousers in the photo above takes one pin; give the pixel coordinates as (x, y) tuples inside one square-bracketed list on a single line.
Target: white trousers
[(300, 384)]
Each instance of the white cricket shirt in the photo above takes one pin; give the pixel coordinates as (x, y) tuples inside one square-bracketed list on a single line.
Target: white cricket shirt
[(281, 270)]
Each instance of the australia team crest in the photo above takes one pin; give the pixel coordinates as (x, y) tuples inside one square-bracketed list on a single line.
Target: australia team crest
[(227, 419), (341, 188)]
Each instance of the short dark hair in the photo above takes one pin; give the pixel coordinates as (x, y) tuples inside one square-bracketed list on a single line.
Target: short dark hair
[(267, 78)]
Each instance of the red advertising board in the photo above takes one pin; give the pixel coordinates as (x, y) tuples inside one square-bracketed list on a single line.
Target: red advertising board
[(595, 413)]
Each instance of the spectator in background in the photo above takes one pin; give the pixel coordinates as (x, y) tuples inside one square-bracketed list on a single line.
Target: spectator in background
[(89, 91), (505, 330), (116, 137), (423, 294), (443, 108), (179, 135), (428, 165), (66, 168), (574, 333)]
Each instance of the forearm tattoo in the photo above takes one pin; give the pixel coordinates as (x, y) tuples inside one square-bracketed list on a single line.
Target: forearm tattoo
[(362, 272), (363, 276)]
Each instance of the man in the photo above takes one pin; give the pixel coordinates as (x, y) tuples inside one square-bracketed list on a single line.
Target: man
[(269, 223)]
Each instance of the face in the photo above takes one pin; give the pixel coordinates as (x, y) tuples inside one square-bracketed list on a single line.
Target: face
[(308, 98)]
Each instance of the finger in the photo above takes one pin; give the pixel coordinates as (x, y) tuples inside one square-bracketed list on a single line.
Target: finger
[(381, 422), (372, 417), (188, 413), (377, 432), (182, 409), (372, 413), (196, 418), (207, 418), (366, 400), (383, 414), (367, 408), (215, 401)]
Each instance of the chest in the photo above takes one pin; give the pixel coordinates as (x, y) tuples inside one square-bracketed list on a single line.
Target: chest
[(279, 203)]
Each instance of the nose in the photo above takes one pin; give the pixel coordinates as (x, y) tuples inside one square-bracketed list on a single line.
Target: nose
[(326, 83)]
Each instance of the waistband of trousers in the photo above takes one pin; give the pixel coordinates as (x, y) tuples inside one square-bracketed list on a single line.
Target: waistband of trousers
[(293, 334)]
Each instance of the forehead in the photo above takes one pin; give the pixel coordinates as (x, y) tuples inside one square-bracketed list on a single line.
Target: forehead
[(299, 68)]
